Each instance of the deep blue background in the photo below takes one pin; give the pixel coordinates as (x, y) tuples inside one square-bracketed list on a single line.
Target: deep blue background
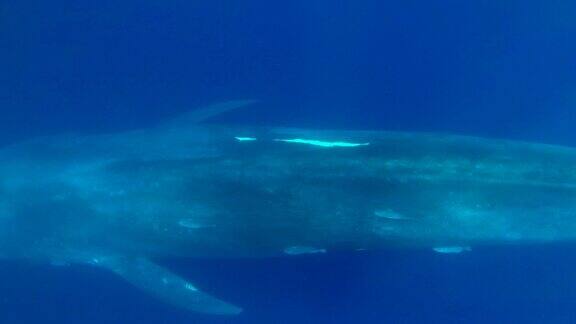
[(490, 68)]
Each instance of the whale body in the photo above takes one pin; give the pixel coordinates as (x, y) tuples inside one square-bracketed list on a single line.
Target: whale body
[(190, 189)]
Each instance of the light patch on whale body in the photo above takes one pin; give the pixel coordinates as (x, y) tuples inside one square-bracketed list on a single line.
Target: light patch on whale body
[(245, 139), (297, 250), (390, 214), (321, 143), (59, 263), (451, 249), (190, 287), (191, 224)]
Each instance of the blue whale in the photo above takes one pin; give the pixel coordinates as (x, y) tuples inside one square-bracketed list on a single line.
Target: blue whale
[(186, 188)]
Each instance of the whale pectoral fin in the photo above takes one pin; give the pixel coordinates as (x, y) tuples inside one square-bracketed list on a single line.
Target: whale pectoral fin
[(202, 114), (167, 286)]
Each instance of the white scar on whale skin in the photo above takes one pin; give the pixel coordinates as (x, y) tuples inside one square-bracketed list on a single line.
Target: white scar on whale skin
[(297, 250), (451, 249), (390, 214), (190, 224), (321, 143), (245, 139)]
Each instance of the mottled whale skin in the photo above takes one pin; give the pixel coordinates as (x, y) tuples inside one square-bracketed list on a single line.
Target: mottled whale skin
[(188, 189)]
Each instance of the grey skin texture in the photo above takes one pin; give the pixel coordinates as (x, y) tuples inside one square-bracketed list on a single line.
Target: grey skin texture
[(185, 189)]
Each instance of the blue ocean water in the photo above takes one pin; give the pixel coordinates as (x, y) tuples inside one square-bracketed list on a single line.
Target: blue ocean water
[(490, 68)]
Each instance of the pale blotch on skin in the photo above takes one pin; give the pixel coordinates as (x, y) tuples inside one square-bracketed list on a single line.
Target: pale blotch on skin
[(245, 139), (190, 224), (451, 249), (321, 143), (297, 250), (190, 287), (389, 214)]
